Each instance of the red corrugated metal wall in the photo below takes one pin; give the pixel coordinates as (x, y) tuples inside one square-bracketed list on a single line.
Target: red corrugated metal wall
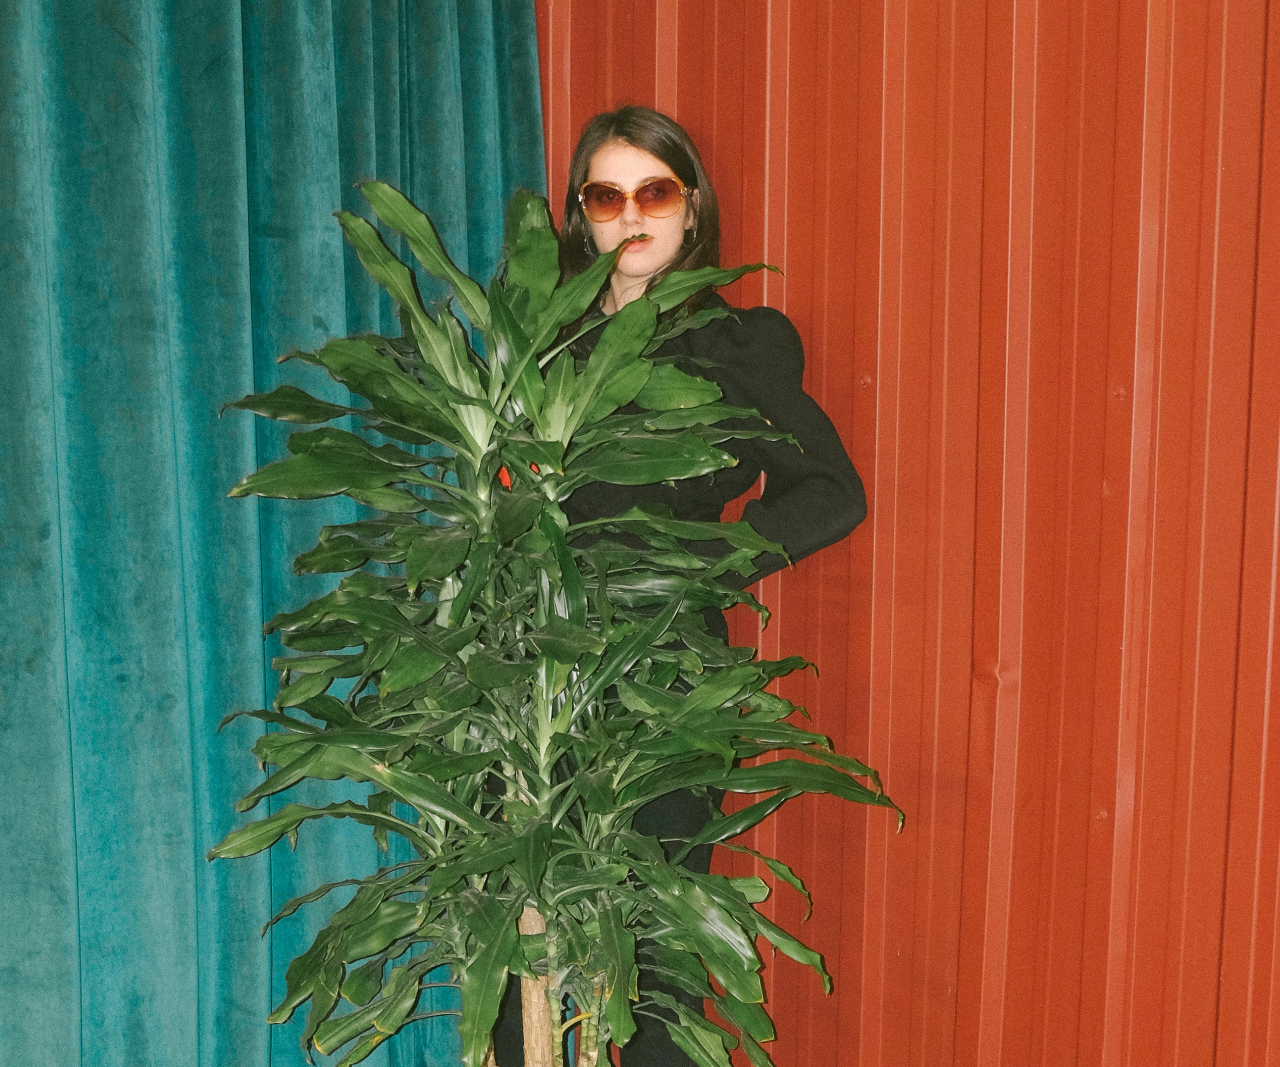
[(1034, 252)]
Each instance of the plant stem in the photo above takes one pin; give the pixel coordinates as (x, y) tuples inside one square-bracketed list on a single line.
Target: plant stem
[(589, 1035), (552, 1011), (539, 1038)]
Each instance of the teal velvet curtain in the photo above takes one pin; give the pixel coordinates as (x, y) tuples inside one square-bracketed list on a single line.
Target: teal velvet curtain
[(167, 176)]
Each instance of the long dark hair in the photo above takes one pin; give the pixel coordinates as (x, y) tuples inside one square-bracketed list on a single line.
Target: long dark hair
[(655, 133)]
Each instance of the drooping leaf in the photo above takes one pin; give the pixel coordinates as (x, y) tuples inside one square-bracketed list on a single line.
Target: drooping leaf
[(669, 387), (563, 641), (435, 553), (618, 946), (289, 404), (479, 564), (702, 1040), (252, 839), (806, 777), (642, 461), (738, 822), (411, 665), (307, 477), (363, 983), (533, 849), (483, 983), (393, 920), (490, 672), (678, 286)]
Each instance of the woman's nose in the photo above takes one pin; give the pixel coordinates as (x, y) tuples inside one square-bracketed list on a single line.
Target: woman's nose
[(631, 215)]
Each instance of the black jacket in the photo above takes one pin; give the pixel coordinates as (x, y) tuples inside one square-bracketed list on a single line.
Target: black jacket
[(812, 497)]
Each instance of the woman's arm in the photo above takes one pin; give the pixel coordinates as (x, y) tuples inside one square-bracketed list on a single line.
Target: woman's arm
[(812, 497)]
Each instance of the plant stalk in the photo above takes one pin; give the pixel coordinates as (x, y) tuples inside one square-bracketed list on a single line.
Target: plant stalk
[(589, 1035), (539, 1034)]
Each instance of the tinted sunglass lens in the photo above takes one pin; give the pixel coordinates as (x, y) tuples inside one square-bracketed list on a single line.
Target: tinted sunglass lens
[(602, 203), (658, 199)]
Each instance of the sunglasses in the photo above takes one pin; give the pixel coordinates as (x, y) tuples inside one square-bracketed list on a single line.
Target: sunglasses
[(658, 198)]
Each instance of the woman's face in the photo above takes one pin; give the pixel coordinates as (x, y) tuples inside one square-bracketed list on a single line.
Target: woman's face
[(629, 167)]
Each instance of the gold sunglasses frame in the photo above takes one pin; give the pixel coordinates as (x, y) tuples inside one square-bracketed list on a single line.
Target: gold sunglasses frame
[(684, 192)]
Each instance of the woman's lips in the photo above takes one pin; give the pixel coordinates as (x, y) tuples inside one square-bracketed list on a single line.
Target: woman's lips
[(635, 244)]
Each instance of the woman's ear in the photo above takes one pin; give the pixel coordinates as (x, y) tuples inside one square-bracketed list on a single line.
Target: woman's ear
[(691, 217)]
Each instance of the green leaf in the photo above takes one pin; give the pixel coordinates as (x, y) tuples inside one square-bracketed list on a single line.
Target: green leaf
[(510, 353), (515, 514), (361, 365), (393, 920), (483, 982), (625, 654), (386, 498), (435, 553), (739, 822), (396, 210), (620, 345), (750, 1019), (446, 768), (533, 253), (678, 286), (304, 689), (575, 591), (752, 889), (571, 300), (642, 461), (618, 944), (307, 477), (677, 967), (362, 1049), (335, 1033), (330, 440), (289, 404), (705, 415), (335, 554), (805, 777), (621, 389), (301, 977), (489, 672), (381, 263), (719, 689), (704, 1042), (479, 567), (669, 387), (685, 322), (252, 839), (363, 983), (480, 856), (707, 927), (563, 641), (533, 849), (738, 534), (411, 665), (782, 871), (557, 404), (397, 1005)]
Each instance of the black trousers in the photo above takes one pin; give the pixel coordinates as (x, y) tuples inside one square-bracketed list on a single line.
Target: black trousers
[(679, 814)]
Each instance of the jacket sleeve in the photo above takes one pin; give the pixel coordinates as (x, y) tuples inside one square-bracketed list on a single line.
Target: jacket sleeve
[(812, 496)]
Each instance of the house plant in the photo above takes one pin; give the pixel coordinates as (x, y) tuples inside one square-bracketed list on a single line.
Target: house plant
[(513, 687)]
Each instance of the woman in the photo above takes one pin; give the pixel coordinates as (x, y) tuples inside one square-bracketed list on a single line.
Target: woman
[(636, 172)]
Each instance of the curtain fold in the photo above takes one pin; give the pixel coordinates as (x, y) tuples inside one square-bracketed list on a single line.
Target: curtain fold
[(167, 177)]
